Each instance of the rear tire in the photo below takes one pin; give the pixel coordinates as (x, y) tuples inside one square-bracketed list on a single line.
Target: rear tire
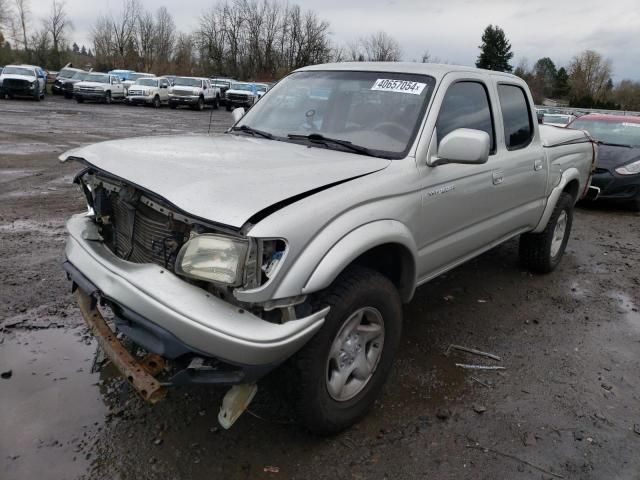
[(341, 371), (542, 252), (173, 106), (80, 100)]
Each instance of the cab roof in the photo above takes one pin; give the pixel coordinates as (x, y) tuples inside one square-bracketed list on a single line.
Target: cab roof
[(434, 69)]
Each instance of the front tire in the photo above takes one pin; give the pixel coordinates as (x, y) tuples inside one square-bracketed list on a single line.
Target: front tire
[(156, 102), (107, 98), (216, 103), (341, 371), (542, 252)]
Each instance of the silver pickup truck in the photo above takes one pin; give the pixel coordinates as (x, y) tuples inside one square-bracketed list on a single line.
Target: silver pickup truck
[(292, 240)]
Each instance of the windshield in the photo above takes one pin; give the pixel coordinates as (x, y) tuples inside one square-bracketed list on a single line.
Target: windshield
[(80, 75), (18, 71), (380, 111), (608, 131), (97, 77), (220, 84), (561, 119), (66, 73), (147, 82), (242, 86), (187, 82), (136, 76), (261, 88)]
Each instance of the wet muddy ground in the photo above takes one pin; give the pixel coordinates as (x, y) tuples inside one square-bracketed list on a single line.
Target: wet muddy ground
[(566, 406)]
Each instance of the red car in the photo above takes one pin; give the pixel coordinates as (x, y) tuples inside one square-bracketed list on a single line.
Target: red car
[(617, 174)]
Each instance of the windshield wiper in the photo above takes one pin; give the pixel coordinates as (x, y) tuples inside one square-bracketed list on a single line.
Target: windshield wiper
[(253, 131), (600, 142), (319, 138)]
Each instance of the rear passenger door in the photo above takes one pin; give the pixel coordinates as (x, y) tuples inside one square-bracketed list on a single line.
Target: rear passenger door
[(520, 169)]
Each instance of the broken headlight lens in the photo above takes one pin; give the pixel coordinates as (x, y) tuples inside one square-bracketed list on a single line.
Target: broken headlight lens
[(213, 258)]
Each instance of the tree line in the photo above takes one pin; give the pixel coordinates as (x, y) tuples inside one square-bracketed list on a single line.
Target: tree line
[(586, 82), (264, 40)]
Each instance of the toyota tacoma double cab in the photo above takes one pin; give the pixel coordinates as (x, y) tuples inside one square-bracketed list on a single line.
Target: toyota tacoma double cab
[(204, 250), (194, 92)]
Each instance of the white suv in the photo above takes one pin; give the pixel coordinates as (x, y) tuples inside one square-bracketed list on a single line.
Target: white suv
[(148, 91), (194, 92), (23, 80), (102, 87)]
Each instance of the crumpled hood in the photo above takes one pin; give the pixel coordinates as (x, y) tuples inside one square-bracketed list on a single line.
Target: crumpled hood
[(14, 76), (610, 156), (225, 178)]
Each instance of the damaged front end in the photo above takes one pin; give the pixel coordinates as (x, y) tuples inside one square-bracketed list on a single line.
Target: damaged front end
[(167, 281)]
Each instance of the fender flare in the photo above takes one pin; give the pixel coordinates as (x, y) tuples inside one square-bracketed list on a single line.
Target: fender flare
[(567, 176), (359, 241)]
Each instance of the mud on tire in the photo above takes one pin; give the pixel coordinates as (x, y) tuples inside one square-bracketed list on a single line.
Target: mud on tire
[(542, 252), (316, 408)]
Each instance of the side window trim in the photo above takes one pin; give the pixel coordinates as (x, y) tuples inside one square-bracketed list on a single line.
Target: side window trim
[(494, 141), (529, 113)]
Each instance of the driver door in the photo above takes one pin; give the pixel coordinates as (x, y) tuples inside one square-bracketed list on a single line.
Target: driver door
[(457, 209)]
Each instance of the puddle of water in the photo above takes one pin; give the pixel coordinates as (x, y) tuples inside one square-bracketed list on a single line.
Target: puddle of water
[(51, 404), (628, 308)]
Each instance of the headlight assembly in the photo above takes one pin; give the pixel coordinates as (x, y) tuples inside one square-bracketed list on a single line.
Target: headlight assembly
[(632, 168), (213, 258)]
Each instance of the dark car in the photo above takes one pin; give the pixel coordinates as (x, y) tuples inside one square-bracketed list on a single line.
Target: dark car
[(63, 76), (617, 173), (67, 84)]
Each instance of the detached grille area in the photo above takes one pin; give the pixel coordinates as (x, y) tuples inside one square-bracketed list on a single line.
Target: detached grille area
[(238, 97), (136, 232), (16, 83)]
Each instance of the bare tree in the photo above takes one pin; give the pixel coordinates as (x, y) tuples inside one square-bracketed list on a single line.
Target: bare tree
[(22, 23), (124, 29), (381, 47), (103, 42), (41, 46), (590, 76), (6, 14), (165, 37), (56, 25), (146, 40)]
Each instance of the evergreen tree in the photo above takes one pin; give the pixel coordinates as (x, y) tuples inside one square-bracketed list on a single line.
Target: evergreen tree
[(75, 48), (495, 51), (83, 50), (561, 86)]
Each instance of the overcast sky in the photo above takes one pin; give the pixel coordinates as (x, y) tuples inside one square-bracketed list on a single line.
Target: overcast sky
[(448, 29)]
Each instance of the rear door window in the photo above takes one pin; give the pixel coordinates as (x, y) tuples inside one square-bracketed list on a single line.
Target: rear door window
[(466, 105), (516, 116)]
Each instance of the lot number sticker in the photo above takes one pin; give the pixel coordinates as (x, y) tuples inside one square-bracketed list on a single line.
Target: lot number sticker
[(400, 86)]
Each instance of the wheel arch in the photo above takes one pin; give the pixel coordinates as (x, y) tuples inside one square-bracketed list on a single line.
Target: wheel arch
[(385, 246), (569, 183)]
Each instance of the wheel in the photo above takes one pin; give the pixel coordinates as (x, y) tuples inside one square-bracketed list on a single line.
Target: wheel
[(107, 98), (216, 103), (37, 94), (80, 100), (542, 252), (341, 371), (200, 104), (228, 107), (156, 102), (173, 106)]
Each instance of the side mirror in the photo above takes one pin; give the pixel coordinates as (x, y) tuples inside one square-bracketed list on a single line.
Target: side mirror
[(463, 145), (237, 114)]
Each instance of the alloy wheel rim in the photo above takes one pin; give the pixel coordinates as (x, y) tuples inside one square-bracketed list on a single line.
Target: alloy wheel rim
[(354, 354), (558, 233)]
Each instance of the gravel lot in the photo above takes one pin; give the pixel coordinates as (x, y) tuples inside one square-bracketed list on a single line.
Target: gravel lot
[(566, 406)]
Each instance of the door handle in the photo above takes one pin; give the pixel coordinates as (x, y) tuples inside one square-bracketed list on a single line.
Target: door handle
[(537, 165), (498, 177)]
